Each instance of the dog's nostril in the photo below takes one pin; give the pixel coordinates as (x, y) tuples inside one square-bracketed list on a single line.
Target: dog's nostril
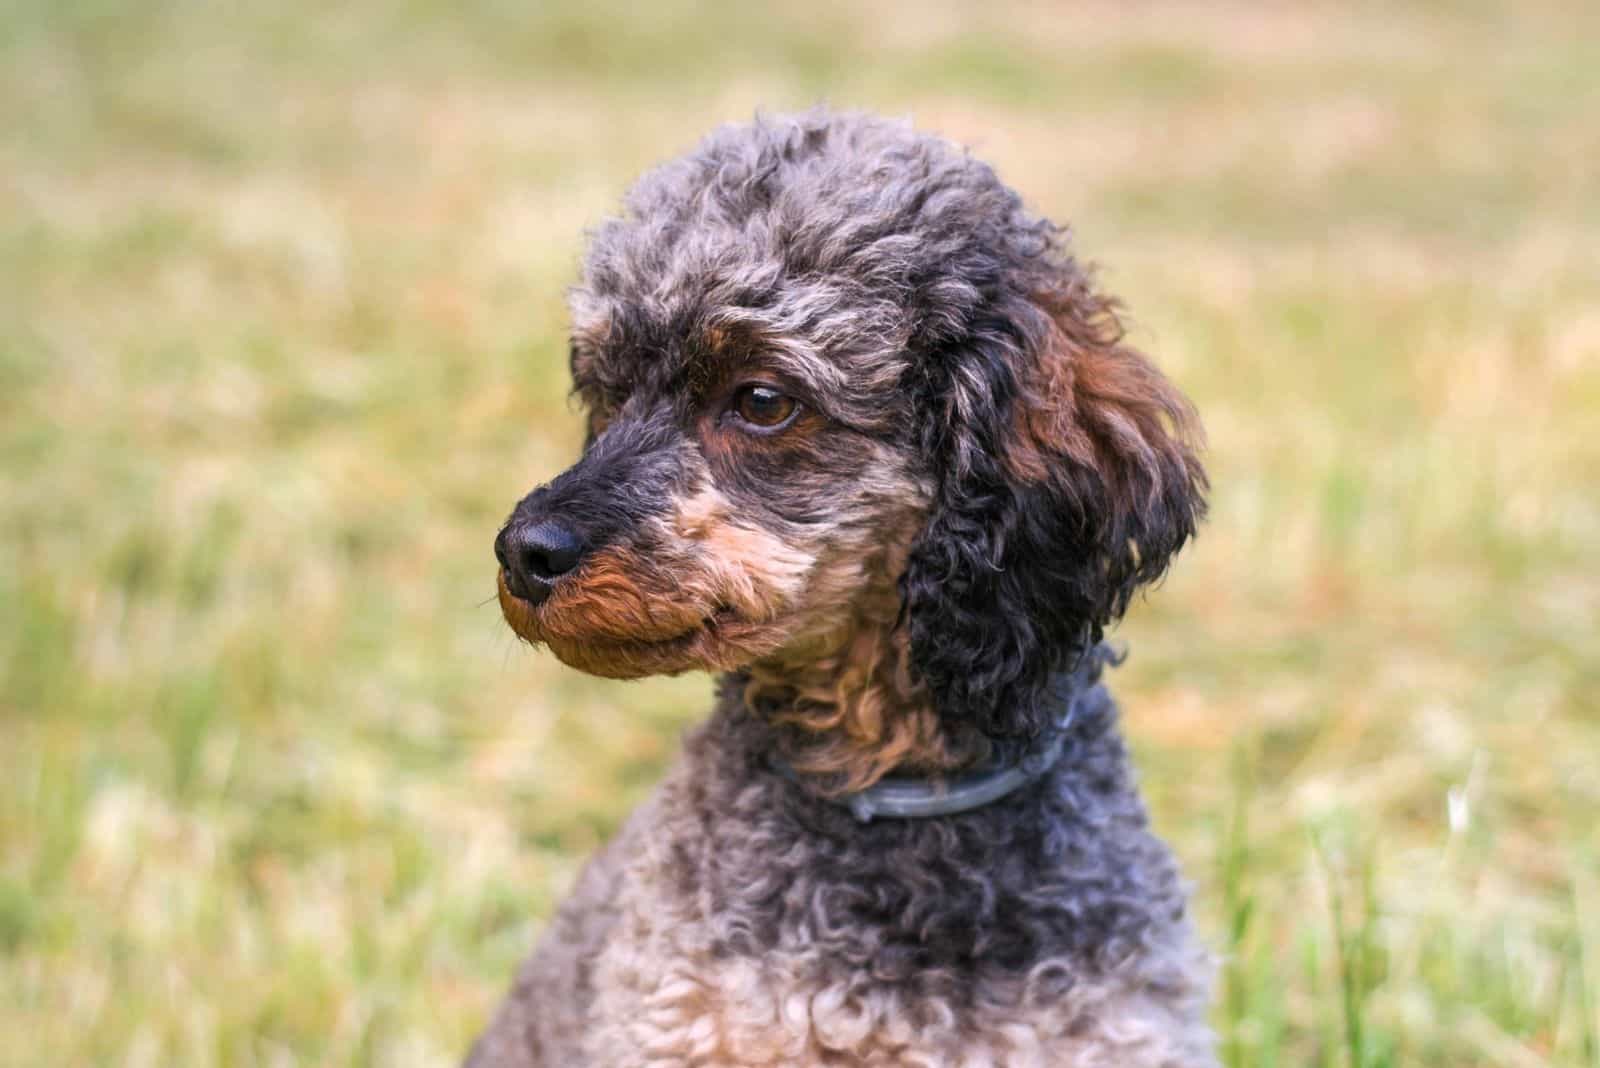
[(546, 551), (549, 564)]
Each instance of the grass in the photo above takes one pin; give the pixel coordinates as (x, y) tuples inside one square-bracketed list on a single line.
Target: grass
[(281, 340)]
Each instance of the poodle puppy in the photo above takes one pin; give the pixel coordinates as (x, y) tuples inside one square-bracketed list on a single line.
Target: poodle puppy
[(865, 440)]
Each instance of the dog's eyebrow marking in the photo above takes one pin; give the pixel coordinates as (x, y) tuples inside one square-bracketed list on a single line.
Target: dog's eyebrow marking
[(806, 366), (747, 342)]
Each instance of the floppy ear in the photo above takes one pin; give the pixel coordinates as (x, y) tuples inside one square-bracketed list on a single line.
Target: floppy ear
[(1067, 478)]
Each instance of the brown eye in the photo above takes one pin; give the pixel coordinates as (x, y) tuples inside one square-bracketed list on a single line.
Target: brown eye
[(763, 407)]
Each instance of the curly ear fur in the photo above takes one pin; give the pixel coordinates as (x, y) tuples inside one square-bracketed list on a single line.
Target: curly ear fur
[(1067, 479)]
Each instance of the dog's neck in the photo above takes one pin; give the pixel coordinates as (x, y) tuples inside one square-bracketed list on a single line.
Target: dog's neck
[(849, 717)]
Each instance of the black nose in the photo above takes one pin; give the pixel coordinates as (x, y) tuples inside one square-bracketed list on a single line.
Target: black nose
[(535, 555)]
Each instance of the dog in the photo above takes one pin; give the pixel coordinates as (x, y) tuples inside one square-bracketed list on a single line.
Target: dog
[(865, 440)]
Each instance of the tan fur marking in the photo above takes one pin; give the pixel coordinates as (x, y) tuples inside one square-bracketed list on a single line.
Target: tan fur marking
[(1094, 401), (760, 574), (709, 593), (615, 598), (715, 337), (857, 710)]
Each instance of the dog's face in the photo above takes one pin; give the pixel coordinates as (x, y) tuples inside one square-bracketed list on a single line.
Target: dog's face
[(738, 495), (835, 375)]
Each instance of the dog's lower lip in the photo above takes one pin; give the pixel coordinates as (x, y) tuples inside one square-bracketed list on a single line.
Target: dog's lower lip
[(709, 624), (719, 618)]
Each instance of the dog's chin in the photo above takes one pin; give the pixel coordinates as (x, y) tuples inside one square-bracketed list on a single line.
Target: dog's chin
[(719, 642)]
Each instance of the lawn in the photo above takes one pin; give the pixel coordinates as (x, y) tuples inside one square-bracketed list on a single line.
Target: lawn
[(282, 339)]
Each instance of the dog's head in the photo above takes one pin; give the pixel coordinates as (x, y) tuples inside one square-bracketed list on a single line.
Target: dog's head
[(835, 372)]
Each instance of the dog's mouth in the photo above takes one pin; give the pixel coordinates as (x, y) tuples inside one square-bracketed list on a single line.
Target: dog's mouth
[(718, 640)]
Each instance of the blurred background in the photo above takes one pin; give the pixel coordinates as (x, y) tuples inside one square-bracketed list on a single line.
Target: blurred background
[(282, 340)]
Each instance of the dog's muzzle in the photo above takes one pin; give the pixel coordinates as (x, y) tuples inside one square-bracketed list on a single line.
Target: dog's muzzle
[(621, 480)]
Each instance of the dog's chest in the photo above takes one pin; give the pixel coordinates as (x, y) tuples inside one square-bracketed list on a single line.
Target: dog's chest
[(737, 938), (666, 1001)]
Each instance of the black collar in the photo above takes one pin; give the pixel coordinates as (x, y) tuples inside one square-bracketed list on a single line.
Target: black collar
[(909, 797)]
